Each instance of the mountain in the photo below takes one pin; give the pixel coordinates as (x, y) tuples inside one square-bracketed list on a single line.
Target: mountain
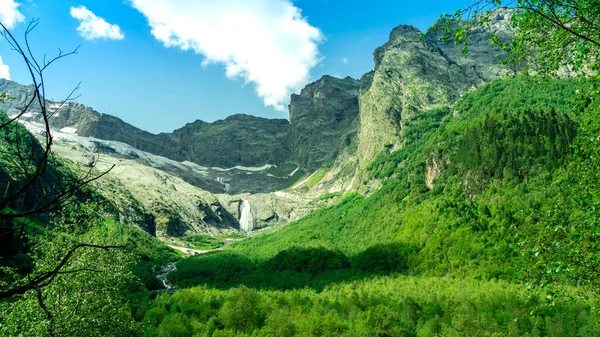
[(415, 72), (323, 114), (336, 127), (411, 73), (440, 195), (464, 207), (323, 120), (238, 140), (152, 191)]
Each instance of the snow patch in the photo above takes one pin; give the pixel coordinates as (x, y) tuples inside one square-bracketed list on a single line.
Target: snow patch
[(221, 175), (57, 106), (245, 168), (221, 181), (68, 130)]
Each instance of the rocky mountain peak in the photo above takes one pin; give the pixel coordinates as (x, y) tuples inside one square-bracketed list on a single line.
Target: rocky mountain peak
[(326, 86), (323, 120), (328, 117), (404, 32), (413, 73)]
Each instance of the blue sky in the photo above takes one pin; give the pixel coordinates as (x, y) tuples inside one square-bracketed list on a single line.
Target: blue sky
[(158, 65)]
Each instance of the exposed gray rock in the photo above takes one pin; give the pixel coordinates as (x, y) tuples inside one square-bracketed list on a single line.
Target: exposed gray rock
[(237, 140), (323, 120), (156, 201), (268, 209), (322, 123), (345, 120), (233, 180), (414, 73)]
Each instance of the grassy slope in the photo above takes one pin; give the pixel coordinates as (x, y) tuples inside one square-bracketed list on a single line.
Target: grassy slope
[(380, 306), (342, 270), (463, 225), (497, 160)]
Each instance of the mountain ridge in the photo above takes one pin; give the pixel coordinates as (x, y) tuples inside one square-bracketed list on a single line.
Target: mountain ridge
[(336, 127), (238, 139)]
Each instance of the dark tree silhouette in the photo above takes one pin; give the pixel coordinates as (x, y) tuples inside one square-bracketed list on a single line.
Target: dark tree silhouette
[(32, 183)]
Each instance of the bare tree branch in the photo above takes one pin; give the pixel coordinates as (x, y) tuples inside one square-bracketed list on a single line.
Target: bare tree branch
[(40, 299), (45, 278), (30, 165)]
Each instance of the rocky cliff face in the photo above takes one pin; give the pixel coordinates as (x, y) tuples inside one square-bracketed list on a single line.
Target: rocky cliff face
[(107, 127), (346, 120), (158, 202), (153, 192), (266, 209), (413, 73), (237, 140), (323, 120), (68, 116)]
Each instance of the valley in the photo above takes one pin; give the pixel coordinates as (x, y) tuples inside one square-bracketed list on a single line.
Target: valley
[(271, 164), (447, 192)]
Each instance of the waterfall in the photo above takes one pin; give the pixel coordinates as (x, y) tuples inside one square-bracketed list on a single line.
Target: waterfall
[(246, 219), (221, 181)]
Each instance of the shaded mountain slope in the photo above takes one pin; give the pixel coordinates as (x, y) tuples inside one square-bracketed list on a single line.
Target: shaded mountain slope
[(318, 127)]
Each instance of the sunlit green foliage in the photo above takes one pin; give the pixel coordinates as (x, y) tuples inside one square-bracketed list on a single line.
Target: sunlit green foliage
[(326, 196), (87, 297), (495, 162), (90, 295), (507, 199), (380, 306), (315, 178), (21, 157), (567, 245), (19, 150), (203, 242)]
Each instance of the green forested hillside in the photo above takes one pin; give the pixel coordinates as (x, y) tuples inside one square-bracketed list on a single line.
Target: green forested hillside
[(495, 165), (101, 265), (488, 190)]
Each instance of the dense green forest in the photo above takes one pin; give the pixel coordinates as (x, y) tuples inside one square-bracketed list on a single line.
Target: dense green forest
[(481, 228), (475, 253), (465, 238)]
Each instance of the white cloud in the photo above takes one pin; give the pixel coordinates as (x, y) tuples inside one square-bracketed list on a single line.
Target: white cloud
[(265, 42), (4, 70), (92, 27), (344, 59), (9, 13)]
